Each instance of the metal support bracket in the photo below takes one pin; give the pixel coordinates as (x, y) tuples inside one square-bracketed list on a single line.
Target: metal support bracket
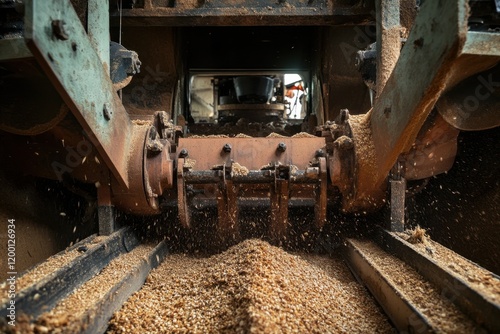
[(280, 194), (398, 195), (58, 41), (182, 201), (105, 210), (321, 195), (398, 192), (227, 207), (435, 42)]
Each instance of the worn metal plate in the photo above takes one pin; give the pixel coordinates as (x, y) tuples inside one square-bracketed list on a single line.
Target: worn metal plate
[(98, 29), (70, 61), (252, 153)]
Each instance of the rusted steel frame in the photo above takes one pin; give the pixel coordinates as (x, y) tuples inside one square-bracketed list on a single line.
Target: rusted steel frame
[(253, 16), (417, 81), (57, 39), (398, 196), (388, 39), (227, 209), (137, 197), (105, 209), (280, 195)]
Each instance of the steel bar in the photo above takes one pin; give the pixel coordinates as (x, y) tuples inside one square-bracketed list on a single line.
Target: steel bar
[(98, 29), (398, 195), (105, 209), (270, 14), (253, 176), (58, 41), (474, 303), (44, 295), (482, 43), (253, 202), (228, 211), (321, 195), (182, 200)]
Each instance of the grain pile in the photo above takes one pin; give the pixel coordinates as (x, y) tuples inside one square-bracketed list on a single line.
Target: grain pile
[(275, 135), (252, 287), (417, 236), (239, 170)]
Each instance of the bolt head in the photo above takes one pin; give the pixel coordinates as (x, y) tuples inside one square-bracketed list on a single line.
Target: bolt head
[(58, 30), (281, 147), (106, 111), (320, 153), (183, 153)]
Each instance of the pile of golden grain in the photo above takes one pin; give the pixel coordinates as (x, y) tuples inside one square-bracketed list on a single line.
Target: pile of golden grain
[(252, 287)]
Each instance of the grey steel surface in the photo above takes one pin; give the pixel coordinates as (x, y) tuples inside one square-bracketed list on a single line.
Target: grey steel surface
[(482, 43)]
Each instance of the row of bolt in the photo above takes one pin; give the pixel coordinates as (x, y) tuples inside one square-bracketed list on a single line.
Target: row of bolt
[(227, 149)]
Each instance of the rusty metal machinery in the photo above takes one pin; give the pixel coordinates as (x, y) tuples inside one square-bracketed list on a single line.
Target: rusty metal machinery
[(210, 145), (303, 123)]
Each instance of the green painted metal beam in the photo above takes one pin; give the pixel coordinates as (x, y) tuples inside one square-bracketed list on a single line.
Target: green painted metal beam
[(59, 42), (418, 79), (98, 28), (482, 43)]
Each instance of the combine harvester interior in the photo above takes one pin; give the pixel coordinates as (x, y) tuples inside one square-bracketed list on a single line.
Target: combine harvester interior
[(265, 166)]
